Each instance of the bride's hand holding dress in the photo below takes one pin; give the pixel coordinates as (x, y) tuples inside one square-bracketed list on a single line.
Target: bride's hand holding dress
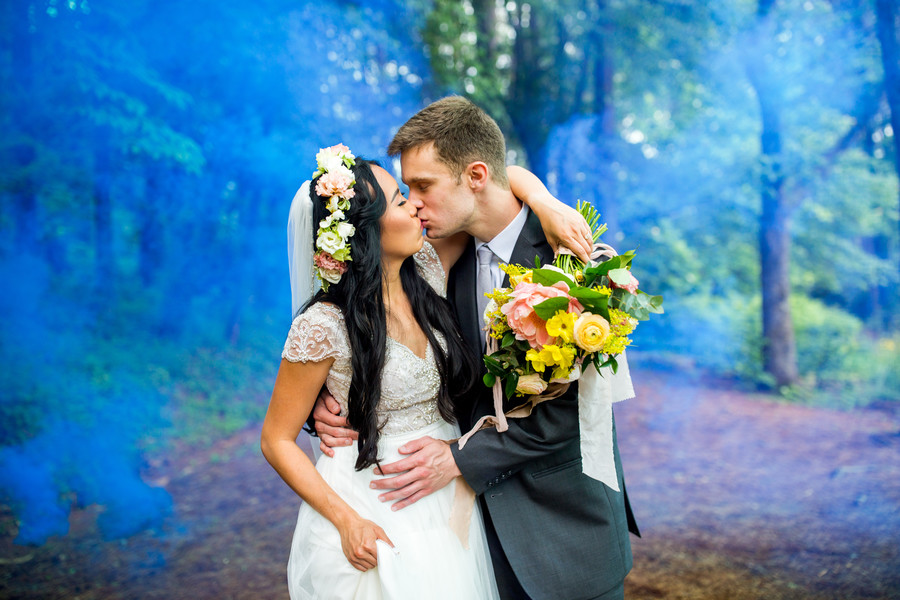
[(292, 400)]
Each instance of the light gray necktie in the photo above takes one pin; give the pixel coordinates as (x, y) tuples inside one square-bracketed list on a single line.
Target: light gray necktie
[(484, 282)]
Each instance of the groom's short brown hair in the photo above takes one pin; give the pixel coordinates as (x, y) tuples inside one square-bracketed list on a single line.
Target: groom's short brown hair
[(462, 133)]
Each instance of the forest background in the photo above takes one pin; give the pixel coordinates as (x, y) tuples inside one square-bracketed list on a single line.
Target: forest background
[(149, 152)]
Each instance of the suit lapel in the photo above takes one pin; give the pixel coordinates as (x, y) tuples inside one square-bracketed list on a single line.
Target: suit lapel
[(531, 243), (462, 290)]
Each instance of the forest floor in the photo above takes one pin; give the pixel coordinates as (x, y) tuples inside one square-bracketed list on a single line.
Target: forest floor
[(737, 496)]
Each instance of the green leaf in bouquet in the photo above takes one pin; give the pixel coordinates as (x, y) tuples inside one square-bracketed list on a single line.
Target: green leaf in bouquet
[(493, 365), (512, 381), (489, 379), (586, 293), (612, 363), (594, 302), (548, 277), (621, 261), (595, 360), (654, 303), (592, 273), (509, 339), (631, 305), (639, 305), (620, 276), (551, 306)]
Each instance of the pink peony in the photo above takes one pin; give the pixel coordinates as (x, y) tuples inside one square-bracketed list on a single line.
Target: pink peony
[(334, 184), (520, 315)]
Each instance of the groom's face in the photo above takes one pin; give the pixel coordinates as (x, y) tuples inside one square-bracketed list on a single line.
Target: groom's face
[(445, 204)]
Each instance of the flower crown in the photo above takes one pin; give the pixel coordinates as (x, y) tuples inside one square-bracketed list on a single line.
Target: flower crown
[(334, 233)]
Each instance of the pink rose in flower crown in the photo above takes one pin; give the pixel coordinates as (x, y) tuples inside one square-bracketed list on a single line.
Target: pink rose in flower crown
[(329, 268), (520, 314), (335, 184)]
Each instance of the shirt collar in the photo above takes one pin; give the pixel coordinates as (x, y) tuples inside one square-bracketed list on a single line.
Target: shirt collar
[(504, 242)]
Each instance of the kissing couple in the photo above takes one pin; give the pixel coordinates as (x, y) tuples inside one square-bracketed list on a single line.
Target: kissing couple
[(385, 359)]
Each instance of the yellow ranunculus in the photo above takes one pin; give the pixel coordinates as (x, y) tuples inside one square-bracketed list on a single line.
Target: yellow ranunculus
[(561, 325), (591, 331)]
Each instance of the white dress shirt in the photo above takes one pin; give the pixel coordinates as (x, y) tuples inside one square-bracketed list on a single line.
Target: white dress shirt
[(502, 246)]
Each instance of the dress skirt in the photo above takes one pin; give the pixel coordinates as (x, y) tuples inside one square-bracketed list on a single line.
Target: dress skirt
[(428, 560)]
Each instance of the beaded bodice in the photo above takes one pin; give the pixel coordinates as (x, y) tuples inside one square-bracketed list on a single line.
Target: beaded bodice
[(409, 383)]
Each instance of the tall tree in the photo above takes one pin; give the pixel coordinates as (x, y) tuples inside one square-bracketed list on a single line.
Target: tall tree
[(887, 15), (779, 348)]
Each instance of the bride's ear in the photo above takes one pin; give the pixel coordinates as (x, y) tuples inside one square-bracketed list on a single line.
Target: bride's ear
[(477, 174)]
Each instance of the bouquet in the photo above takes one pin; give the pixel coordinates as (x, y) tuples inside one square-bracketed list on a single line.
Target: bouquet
[(557, 320)]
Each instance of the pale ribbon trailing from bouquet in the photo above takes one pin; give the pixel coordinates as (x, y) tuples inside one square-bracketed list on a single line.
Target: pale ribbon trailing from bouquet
[(596, 395)]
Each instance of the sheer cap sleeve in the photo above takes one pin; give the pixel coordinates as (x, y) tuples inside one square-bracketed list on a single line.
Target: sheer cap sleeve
[(316, 335), (429, 266)]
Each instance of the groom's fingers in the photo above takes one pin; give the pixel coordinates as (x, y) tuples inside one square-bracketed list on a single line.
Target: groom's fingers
[(399, 484), (401, 466), (411, 500)]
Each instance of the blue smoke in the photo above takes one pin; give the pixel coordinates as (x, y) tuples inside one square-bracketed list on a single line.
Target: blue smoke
[(70, 437), (69, 465)]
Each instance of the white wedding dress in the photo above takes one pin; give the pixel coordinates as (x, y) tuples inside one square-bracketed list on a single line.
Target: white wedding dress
[(429, 560)]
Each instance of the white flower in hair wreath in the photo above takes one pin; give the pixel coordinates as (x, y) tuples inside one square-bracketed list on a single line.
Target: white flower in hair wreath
[(335, 183)]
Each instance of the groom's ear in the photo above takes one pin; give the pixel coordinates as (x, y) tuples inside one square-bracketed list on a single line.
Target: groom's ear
[(477, 174)]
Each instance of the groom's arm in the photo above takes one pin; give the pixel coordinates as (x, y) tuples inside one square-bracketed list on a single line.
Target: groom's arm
[(488, 456)]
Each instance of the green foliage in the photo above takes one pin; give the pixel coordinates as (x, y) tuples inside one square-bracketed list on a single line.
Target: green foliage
[(841, 365)]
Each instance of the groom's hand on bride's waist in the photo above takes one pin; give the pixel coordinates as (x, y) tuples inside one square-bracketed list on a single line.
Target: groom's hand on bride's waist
[(332, 429), (428, 467)]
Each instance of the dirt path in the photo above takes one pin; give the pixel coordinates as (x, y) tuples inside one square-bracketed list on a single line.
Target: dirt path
[(737, 497)]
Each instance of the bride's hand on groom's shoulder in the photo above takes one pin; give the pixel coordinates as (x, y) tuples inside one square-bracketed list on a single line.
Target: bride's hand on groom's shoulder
[(428, 467), (333, 430)]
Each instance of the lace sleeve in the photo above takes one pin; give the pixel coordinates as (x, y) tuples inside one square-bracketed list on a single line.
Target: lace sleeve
[(429, 266), (317, 334)]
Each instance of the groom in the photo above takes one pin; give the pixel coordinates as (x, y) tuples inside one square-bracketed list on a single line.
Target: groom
[(553, 532)]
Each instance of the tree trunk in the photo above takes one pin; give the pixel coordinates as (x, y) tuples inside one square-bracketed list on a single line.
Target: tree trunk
[(486, 21), (890, 59), (523, 105), (605, 130), (779, 347)]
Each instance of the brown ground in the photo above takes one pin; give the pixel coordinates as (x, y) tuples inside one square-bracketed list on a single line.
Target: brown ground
[(737, 496)]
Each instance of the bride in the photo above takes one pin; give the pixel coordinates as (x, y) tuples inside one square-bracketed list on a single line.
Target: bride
[(381, 336)]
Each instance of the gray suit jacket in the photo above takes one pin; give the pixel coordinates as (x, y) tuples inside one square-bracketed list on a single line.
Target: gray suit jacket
[(565, 534)]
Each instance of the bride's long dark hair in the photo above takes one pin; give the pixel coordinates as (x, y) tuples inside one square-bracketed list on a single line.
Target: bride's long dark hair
[(359, 296)]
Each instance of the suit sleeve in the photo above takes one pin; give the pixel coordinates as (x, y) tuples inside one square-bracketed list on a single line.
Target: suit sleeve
[(489, 454)]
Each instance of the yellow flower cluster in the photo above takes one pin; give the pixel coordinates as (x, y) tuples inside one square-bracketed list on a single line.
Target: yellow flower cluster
[(620, 323), (517, 274), (615, 344), (620, 327), (560, 357), (496, 318)]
